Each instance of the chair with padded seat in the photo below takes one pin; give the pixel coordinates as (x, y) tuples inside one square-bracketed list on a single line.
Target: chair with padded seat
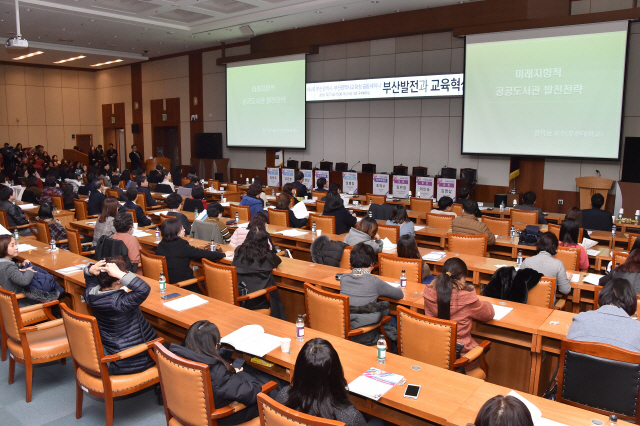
[(163, 218), (91, 364), (185, 181), (632, 240), (233, 196), (414, 329), (43, 234), (329, 313), (57, 202), (75, 244), (272, 413), (327, 224), (188, 394), (320, 206), (392, 266), (153, 265), (392, 232), (279, 217), (542, 294), (232, 187), (555, 229), (82, 210), (375, 199), (221, 283), (475, 245), (498, 226), (436, 220), (618, 258), (215, 184), (30, 315), (569, 257), (113, 193), (457, 209), (28, 345), (424, 205), (530, 217), (5, 222), (601, 378), (244, 212), (345, 260), (318, 194)]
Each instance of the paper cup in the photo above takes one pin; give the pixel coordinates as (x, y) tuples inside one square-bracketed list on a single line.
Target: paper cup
[(223, 200), (135, 226), (318, 232), (285, 345)]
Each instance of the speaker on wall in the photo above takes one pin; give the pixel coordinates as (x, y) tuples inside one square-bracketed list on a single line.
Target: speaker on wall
[(135, 129), (208, 145), (630, 169)]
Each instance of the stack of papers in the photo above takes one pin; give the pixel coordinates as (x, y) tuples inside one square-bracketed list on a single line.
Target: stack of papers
[(26, 206), (252, 339), (592, 279), (4, 231), (227, 204), (26, 247), (91, 223), (164, 212), (593, 252), (587, 243), (165, 195), (499, 265), (417, 228), (575, 278), (139, 233), (500, 311), (243, 225), (536, 414), (388, 245), (374, 383), (186, 302), (434, 255), (71, 269), (300, 211), (291, 233)]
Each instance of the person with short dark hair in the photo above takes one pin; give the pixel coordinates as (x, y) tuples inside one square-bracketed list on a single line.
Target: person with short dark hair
[(468, 223), (135, 158), (123, 224), (595, 218), (143, 188), (197, 200), (155, 175), (112, 157), (529, 201), (283, 203), (68, 195), (400, 217), (104, 224), (252, 199), (130, 204), (193, 172), (334, 206), (32, 186), (301, 189), (96, 198), (321, 183), (50, 188), (504, 411), (612, 323), (408, 249), (193, 182), (445, 206), (569, 236), (629, 270), (15, 215), (365, 231), (166, 179), (174, 204), (547, 265), (115, 182), (214, 213)]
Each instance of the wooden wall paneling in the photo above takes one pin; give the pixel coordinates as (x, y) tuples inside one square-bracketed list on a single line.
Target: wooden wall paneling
[(118, 110), (548, 8), (271, 157), (110, 111), (170, 106), (107, 113), (241, 175), (136, 113), (195, 93)]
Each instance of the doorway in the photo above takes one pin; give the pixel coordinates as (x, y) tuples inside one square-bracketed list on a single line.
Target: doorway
[(116, 137), (166, 143), (84, 142)]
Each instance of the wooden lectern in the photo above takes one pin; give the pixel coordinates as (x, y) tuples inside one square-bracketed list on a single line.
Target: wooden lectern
[(590, 185), (151, 163)]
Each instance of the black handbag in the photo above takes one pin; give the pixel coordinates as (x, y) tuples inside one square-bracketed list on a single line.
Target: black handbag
[(530, 235)]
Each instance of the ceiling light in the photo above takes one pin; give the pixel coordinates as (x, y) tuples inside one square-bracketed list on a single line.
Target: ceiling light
[(318, 11), (107, 63), (375, 1), (28, 55), (70, 59)]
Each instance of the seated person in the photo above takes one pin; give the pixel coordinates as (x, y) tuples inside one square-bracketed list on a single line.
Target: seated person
[(114, 296), (155, 176), (529, 200), (464, 194), (254, 261), (174, 204), (301, 189), (612, 323), (193, 172), (319, 387), (179, 253), (259, 221), (400, 218), (365, 231), (364, 289), (130, 204), (334, 187), (196, 202), (115, 182), (504, 411), (252, 199), (445, 206), (15, 215), (214, 212), (288, 188), (143, 188), (193, 182), (14, 276), (50, 188), (68, 195), (334, 206), (449, 297), (629, 270), (284, 201), (229, 385), (408, 249), (468, 223), (104, 224), (96, 198), (32, 186), (547, 265), (569, 235), (595, 218), (56, 229), (166, 179), (321, 183), (123, 224)]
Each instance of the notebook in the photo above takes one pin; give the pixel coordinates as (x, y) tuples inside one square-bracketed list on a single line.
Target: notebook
[(434, 255), (186, 302), (374, 383), (252, 339)]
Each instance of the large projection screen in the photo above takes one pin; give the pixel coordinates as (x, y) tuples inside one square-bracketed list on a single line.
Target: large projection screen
[(552, 92), (266, 103)]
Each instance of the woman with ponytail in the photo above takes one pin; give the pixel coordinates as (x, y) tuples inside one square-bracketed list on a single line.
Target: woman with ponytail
[(449, 297)]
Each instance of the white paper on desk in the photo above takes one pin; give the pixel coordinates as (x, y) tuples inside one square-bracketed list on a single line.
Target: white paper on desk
[(434, 255), (300, 211), (592, 279), (393, 284), (243, 225), (186, 302), (91, 223), (417, 228), (71, 269), (593, 252), (536, 414), (4, 231), (291, 233), (374, 383), (575, 278), (165, 195), (226, 204), (164, 212), (252, 339), (500, 311), (589, 232), (139, 233), (309, 201), (498, 266), (26, 206), (587, 243), (358, 219), (388, 245), (26, 247)]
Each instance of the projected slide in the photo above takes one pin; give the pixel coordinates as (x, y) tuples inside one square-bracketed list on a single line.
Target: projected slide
[(554, 92), (266, 103)]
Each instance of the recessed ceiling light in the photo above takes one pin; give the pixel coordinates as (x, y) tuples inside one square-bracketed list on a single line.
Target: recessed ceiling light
[(271, 22), (70, 59), (318, 11), (28, 55), (108, 62), (375, 1)]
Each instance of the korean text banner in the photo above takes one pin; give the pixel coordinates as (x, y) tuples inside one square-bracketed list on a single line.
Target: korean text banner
[(380, 184), (273, 176), (387, 88)]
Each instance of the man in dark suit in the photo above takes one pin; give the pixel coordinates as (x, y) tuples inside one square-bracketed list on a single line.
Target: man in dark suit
[(115, 181), (96, 198), (529, 199), (193, 182), (595, 218), (301, 190), (135, 158), (143, 188), (141, 218), (155, 176), (112, 157)]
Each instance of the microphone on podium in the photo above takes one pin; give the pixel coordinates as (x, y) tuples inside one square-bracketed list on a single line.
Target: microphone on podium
[(351, 168)]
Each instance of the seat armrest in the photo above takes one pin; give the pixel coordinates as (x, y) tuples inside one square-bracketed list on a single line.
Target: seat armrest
[(385, 319), (186, 283), (560, 304), (65, 241), (269, 386), (257, 293), (20, 296), (42, 326), (476, 352), (222, 412), (128, 353), (93, 216), (38, 306)]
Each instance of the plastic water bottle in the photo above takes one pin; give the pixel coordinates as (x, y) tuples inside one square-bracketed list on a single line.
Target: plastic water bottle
[(163, 283), (313, 228), (157, 234), (637, 215), (195, 213), (613, 420), (519, 258), (382, 350), (515, 203), (502, 206), (213, 245), (247, 181), (253, 180), (403, 280), (300, 329), (620, 213), (418, 194), (52, 245), (273, 192), (16, 235), (370, 213), (237, 217), (513, 232), (613, 231), (370, 201)]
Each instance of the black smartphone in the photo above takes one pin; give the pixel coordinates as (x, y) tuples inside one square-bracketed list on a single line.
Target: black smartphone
[(412, 391), (169, 296), (238, 363)]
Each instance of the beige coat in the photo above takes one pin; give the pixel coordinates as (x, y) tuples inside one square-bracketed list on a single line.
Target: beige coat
[(468, 224)]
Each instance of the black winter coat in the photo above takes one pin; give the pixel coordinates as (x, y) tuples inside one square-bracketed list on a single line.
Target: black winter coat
[(120, 320), (507, 284), (15, 215), (327, 252), (94, 206), (179, 254), (344, 220)]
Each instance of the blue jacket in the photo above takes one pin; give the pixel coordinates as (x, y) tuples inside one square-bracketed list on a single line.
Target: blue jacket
[(255, 204)]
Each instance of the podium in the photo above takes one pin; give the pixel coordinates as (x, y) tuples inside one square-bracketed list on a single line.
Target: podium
[(590, 185), (151, 163)]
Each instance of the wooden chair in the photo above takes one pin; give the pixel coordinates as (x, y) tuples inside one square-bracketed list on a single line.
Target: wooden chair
[(529, 217), (36, 344), (5, 222), (232, 187), (244, 212), (392, 232), (30, 315), (57, 202), (618, 258), (345, 261), (153, 265), (163, 217), (221, 283), (43, 234), (424, 205), (569, 257), (327, 224), (318, 194), (82, 210), (279, 217), (543, 293), (274, 413), (414, 329), (184, 181), (122, 185), (600, 378), (141, 200), (91, 364), (439, 220), (233, 196), (392, 266), (475, 245), (215, 184), (75, 246), (320, 206), (329, 313), (187, 392), (113, 193), (376, 199), (457, 209), (632, 240), (498, 226), (552, 227)]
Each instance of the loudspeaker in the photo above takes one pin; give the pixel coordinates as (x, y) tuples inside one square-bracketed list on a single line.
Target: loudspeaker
[(218, 177), (135, 129), (449, 173), (208, 145), (630, 169)]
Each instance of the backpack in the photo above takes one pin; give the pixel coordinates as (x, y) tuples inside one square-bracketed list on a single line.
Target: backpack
[(530, 235)]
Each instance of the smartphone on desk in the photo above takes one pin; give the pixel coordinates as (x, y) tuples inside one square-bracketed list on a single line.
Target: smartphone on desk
[(169, 296), (412, 391)]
